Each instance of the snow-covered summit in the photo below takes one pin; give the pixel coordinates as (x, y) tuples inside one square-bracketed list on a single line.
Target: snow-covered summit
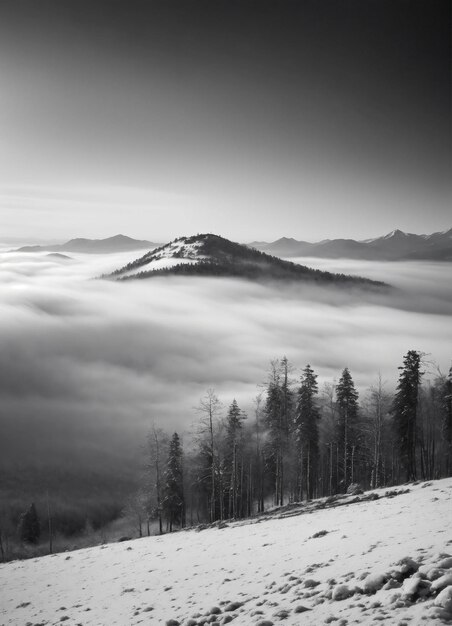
[(181, 250), (212, 255), (397, 233)]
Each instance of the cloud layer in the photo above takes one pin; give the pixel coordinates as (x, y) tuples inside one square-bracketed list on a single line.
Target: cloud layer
[(86, 366)]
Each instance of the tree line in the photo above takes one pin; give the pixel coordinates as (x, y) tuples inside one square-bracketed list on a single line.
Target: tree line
[(301, 442)]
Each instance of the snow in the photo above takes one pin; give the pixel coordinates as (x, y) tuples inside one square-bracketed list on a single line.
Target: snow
[(175, 253), (159, 264), (303, 565), (374, 582), (442, 581), (444, 599), (395, 233)]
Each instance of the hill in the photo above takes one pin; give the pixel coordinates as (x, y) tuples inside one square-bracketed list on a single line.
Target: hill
[(59, 256), (395, 246), (378, 557), (211, 255), (118, 243)]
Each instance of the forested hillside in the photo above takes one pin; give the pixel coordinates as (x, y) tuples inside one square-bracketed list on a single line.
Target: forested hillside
[(300, 442), (212, 255)]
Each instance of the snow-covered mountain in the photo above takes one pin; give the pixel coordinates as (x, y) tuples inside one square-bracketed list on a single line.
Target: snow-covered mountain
[(212, 255), (394, 246), (118, 243), (380, 557), (184, 250)]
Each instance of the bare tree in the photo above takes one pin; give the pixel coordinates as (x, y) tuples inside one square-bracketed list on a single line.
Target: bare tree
[(378, 405), (259, 464), (157, 446), (209, 408), (136, 508), (327, 435)]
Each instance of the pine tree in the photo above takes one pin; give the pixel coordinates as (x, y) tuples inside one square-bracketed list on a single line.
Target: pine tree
[(307, 432), (29, 526), (347, 432), (233, 457), (404, 411), (173, 498), (258, 454), (279, 421), (273, 446)]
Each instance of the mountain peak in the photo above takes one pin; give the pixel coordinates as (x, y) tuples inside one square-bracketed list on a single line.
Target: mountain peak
[(286, 240), (397, 233), (211, 255), (396, 245)]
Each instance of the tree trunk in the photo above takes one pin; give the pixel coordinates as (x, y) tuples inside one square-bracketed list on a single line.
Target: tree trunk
[(331, 470), (2, 549), (345, 448), (49, 521)]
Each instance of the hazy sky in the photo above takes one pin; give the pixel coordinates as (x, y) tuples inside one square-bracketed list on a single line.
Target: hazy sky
[(253, 120)]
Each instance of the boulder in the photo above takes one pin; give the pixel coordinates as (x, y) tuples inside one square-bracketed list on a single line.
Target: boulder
[(342, 592)]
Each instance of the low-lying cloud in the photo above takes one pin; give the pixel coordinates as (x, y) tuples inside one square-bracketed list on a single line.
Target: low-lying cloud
[(86, 366)]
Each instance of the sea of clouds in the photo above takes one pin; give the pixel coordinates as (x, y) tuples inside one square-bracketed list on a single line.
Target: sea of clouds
[(87, 366)]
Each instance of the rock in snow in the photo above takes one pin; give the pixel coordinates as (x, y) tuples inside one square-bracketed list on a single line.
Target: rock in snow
[(444, 599)]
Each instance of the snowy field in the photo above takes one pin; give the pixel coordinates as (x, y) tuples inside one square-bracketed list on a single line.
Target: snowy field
[(354, 560)]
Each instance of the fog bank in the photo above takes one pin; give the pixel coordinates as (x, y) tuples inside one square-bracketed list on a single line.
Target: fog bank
[(86, 366)]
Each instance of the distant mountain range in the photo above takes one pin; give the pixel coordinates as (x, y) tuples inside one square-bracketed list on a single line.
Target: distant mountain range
[(211, 255), (118, 243), (395, 246)]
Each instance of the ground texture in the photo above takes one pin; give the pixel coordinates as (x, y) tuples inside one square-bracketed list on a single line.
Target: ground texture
[(379, 557)]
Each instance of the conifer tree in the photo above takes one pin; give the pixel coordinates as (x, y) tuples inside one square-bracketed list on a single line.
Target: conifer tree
[(279, 421), (29, 526), (258, 453), (173, 500), (273, 420), (234, 460), (347, 426), (404, 410), (307, 432)]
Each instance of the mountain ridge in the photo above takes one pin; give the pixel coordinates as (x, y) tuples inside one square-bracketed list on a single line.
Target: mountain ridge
[(117, 243), (394, 246)]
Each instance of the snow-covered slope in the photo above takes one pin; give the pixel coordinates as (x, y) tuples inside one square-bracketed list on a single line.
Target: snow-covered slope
[(347, 561), (174, 253)]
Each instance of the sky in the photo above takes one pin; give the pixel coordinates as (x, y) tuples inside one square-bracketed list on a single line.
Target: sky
[(250, 119)]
